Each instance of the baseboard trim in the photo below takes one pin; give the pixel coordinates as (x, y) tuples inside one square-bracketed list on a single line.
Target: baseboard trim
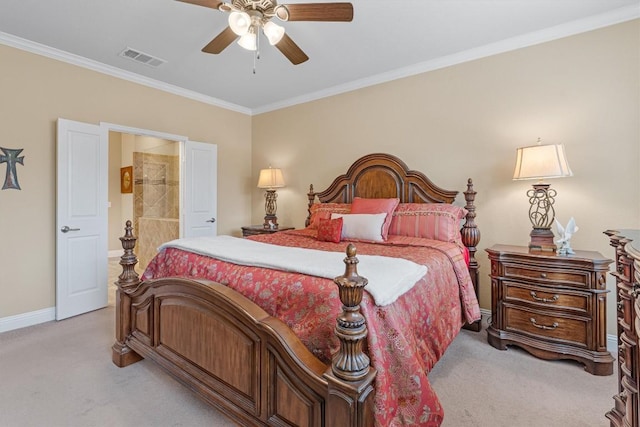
[(116, 253), (23, 320), (612, 340)]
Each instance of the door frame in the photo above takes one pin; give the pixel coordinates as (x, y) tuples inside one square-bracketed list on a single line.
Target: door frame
[(102, 130), (107, 127)]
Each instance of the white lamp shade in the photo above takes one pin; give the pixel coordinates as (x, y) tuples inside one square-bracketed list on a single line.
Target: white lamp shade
[(270, 178), (248, 41), (273, 31), (541, 161), (239, 22)]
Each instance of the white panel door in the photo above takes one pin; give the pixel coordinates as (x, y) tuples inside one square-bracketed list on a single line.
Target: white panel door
[(200, 189), (81, 219)]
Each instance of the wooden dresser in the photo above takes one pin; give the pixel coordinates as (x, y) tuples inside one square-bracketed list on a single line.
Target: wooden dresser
[(551, 305), (627, 274)]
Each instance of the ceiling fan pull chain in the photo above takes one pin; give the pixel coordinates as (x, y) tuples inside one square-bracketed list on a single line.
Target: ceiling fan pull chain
[(256, 54), (254, 62)]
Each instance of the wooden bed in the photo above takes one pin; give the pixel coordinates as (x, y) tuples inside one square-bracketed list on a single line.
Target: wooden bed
[(264, 374)]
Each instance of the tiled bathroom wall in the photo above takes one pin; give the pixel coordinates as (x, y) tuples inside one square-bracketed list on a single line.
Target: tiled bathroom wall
[(156, 199)]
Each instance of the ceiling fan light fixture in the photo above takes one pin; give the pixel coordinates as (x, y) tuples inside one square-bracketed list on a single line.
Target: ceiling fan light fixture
[(248, 41), (239, 22), (273, 31)]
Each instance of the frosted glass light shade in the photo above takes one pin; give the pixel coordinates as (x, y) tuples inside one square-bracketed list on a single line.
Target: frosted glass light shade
[(239, 22), (248, 41), (541, 161), (270, 178), (273, 31)]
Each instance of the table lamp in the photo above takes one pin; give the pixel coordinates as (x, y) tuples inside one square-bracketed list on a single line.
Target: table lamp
[(541, 162), (270, 179)]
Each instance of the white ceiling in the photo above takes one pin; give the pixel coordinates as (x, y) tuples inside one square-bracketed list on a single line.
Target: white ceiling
[(386, 40)]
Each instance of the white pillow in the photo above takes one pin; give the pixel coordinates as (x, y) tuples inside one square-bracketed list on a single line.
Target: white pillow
[(361, 226)]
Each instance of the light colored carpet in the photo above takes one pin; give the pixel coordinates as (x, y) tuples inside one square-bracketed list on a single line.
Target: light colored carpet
[(60, 374)]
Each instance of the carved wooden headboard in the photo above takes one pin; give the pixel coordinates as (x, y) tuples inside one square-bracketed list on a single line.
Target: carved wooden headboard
[(381, 175)]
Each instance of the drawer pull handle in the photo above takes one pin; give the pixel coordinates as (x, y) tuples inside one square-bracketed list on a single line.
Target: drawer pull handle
[(543, 275), (544, 327), (620, 305), (537, 298), (620, 268)]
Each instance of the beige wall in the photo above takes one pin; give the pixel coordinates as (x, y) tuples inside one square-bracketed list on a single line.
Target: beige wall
[(35, 92), (467, 121), (462, 121)]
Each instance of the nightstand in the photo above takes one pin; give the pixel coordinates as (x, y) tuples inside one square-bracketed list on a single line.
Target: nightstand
[(553, 306), (252, 230)]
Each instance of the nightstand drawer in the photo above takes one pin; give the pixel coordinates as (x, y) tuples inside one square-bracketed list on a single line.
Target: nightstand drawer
[(571, 330), (547, 275), (548, 298)]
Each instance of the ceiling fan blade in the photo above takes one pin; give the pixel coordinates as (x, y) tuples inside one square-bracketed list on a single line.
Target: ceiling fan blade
[(317, 12), (220, 42), (291, 50), (213, 4)]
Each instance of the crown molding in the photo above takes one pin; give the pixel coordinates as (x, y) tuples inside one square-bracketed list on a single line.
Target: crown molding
[(553, 33), (61, 55), (613, 17)]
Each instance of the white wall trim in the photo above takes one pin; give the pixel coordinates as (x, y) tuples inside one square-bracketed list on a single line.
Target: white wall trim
[(27, 319), (116, 253), (616, 16), (143, 132), (70, 58), (612, 344)]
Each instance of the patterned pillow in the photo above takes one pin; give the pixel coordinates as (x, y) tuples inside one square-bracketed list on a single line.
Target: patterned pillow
[(374, 206), (330, 230), (324, 210), (437, 221)]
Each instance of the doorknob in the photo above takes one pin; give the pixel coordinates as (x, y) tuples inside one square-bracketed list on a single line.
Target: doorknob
[(211, 220), (66, 229)]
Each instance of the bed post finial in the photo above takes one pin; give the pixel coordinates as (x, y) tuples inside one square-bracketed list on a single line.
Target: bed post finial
[(128, 280), (470, 231), (350, 363), (127, 283), (470, 238), (312, 198)]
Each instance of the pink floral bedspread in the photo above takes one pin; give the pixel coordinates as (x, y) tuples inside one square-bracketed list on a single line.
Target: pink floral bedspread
[(405, 338)]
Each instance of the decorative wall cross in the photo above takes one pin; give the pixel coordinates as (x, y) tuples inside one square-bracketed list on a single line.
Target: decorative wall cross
[(11, 158)]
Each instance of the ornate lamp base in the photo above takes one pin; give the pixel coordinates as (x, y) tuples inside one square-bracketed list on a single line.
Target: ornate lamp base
[(270, 222), (541, 215), (542, 240), (270, 208)]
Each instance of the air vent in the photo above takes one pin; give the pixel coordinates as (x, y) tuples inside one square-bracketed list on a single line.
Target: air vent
[(143, 58)]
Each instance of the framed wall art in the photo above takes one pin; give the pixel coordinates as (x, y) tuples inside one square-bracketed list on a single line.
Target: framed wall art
[(126, 179)]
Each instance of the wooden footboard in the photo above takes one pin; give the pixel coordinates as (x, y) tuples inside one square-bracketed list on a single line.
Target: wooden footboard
[(235, 356)]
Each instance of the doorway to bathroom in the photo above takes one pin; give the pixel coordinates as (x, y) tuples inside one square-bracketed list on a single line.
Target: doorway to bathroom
[(150, 168), (92, 186)]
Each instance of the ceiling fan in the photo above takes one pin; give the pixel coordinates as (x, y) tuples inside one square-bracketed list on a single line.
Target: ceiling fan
[(247, 17)]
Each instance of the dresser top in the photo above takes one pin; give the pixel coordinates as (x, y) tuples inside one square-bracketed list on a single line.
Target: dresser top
[(630, 238), (524, 250)]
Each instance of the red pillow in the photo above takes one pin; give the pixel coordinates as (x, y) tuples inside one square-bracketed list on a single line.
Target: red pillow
[(375, 206), (324, 210), (329, 230)]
